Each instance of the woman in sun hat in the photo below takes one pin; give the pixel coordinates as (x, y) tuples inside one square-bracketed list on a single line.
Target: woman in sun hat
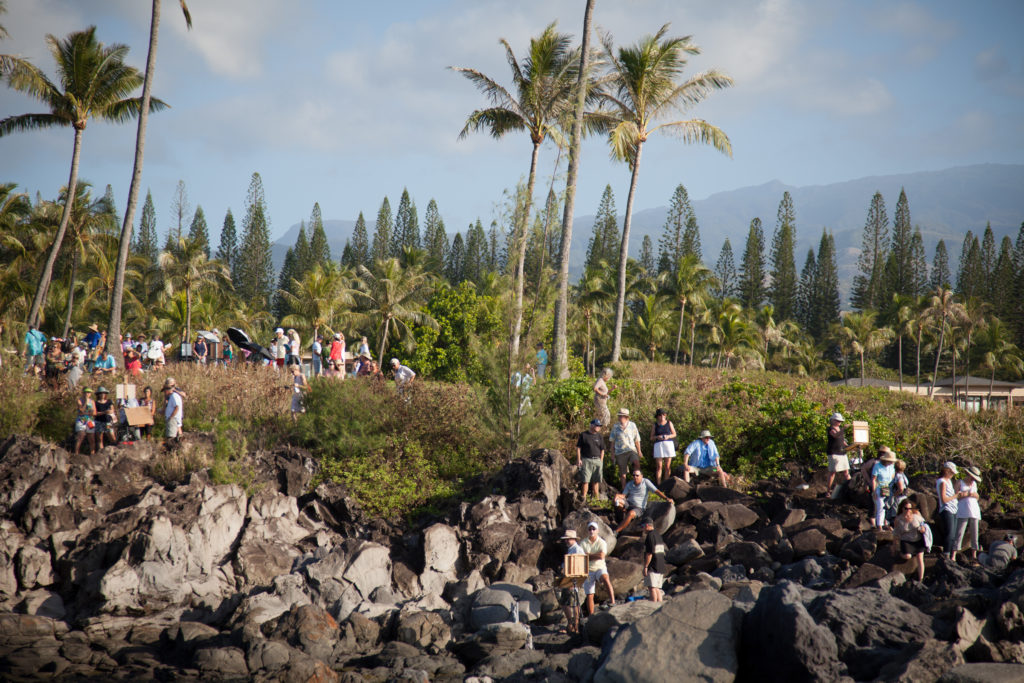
[(882, 476), (968, 511), (909, 529), (948, 501)]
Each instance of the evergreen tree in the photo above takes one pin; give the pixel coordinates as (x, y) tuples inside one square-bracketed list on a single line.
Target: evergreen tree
[(805, 291), (493, 263), (782, 293), (918, 265), (752, 290), (254, 267), (145, 241), (553, 226), (475, 264), (900, 274), (407, 228), (680, 234), (988, 263), (198, 230), (725, 272), (284, 285), (1017, 318), (303, 254), (604, 242), (360, 243), (180, 208), (868, 284), (348, 256), (228, 248), (825, 310), (1004, 279), (382, 233), (647, 255), (970, 276), (108, 200), (940, 276), (319, 249), (435, 241), (455, 267)]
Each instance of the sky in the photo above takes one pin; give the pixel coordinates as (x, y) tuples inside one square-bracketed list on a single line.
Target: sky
[(344, 102)]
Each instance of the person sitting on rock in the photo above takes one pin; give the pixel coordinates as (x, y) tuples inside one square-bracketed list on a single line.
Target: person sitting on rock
[(104, 365), (633, 498), (702, 457), (882, 475), (570, 596), (654, 560), (909, 530), (1000, 554), (596, 548)]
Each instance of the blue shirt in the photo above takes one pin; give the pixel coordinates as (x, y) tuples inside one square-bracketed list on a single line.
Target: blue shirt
[(34, 340), (105, 363), (542, 357), (702, 455), (92, 339), (883, 474), (636, 494)]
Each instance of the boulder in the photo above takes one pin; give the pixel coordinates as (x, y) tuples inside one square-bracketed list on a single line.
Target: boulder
[(730, 573), (788, 519), (543, 474), (750, 555), (692, 637), (309, 629), (780, 630), (504, 666), (616, 616), (425, 630), (809, 542), (625, 576), (985, 673), (33, 567), (684, 552), (810, 572), (719, 494), (859, 549), (222, 662), (663, 513), (866, 573), (737, 516), (676, 488), (496, 539), (925, 661), (499, 602)]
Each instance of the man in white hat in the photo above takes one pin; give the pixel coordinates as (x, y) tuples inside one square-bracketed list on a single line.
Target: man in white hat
[(280, 348), (403, 375), (570, 602), (596, 548), (625, 439), (836, 449), (702, 457)]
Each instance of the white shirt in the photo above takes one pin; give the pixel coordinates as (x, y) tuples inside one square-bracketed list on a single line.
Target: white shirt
[(174, 400), (280, 350), (403, 374), (942, 484), (968, 508)]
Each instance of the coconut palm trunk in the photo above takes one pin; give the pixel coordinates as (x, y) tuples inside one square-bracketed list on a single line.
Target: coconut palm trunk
[(899, 343), (938, 355), (560, 364), (71, 293), (384, 340), (520, 275), (47, 274), (620, 299), (693, 337), (917, 379), (679, 333)]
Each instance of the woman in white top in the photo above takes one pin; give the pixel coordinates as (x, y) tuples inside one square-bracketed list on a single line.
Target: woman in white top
[(948, 501), (968, 512)]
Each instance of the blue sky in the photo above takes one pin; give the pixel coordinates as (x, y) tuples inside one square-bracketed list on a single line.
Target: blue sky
[(346, 102)]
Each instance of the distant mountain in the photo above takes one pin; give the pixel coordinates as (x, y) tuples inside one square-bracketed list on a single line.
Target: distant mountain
[(945, 204)]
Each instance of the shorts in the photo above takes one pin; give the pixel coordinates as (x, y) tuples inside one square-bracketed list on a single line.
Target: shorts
[(81, 426), (706, 471), (590, 585), (623, 460), (279, 362), (912, 547), (653, 580), (838, 463), (102, 427), (297, 404), (590, 470), (173, 429), (664, 449)]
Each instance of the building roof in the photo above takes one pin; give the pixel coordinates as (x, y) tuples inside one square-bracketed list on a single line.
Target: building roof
[(869, 382), (981, 383)]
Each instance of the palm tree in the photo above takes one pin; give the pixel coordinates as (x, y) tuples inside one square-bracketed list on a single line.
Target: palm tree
[(864, 336), (651, 325), (395, 296), (942, 306), (765, 319), (921, 321), (543, 84), (189, 269), (644, 89), (733, 336), (101, 268), (560, 365), (114, 325), (691, 284), (316, 299), (591, 296), (94, 83), (972, 318), (999, 352), (905, 323)]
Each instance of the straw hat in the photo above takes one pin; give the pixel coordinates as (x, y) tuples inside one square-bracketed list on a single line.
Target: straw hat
[(837, 417), (948, 465), (94, 327), (705, 434), (570, 534), (885, 455), (974, 473), (169, 383), (623, 412)]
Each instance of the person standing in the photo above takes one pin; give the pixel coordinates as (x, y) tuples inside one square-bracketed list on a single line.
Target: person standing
[(294, 348), (337, 356), (104, 419), (84, 421), (663, 435), (280, 347), (200, 350), (542, 360), (601, 392), (317, 360), (596, 548), (626, 444), (654, 560), (947, 506), (590, 458), (909, 528), (174, 410), (570, 602), (968, 511), (882, 476), (403, 375), (299, 385), (34, 343), (836, 449), (147, 402), (92, 340), (75, 371), (702, 457)]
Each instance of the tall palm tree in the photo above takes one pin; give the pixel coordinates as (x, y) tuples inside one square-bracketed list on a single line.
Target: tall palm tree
[(921, 319), (903, 319), (101, 266), (94, 83), (395, 296), (316, 300), (114, 324), (692, 282), (1000, 352), (560, 364), (591, 296), (543, 83), (973, 318), (651, 325), (643, 91), (860, 329), (189, 269), (942, 307)]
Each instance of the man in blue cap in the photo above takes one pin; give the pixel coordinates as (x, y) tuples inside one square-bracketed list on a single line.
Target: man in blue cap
[(590, 457)]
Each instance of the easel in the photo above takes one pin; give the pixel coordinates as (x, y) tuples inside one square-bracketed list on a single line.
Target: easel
[(575, 569)]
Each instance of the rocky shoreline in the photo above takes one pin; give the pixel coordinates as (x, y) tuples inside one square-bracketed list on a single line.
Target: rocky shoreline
[(107, 574)]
